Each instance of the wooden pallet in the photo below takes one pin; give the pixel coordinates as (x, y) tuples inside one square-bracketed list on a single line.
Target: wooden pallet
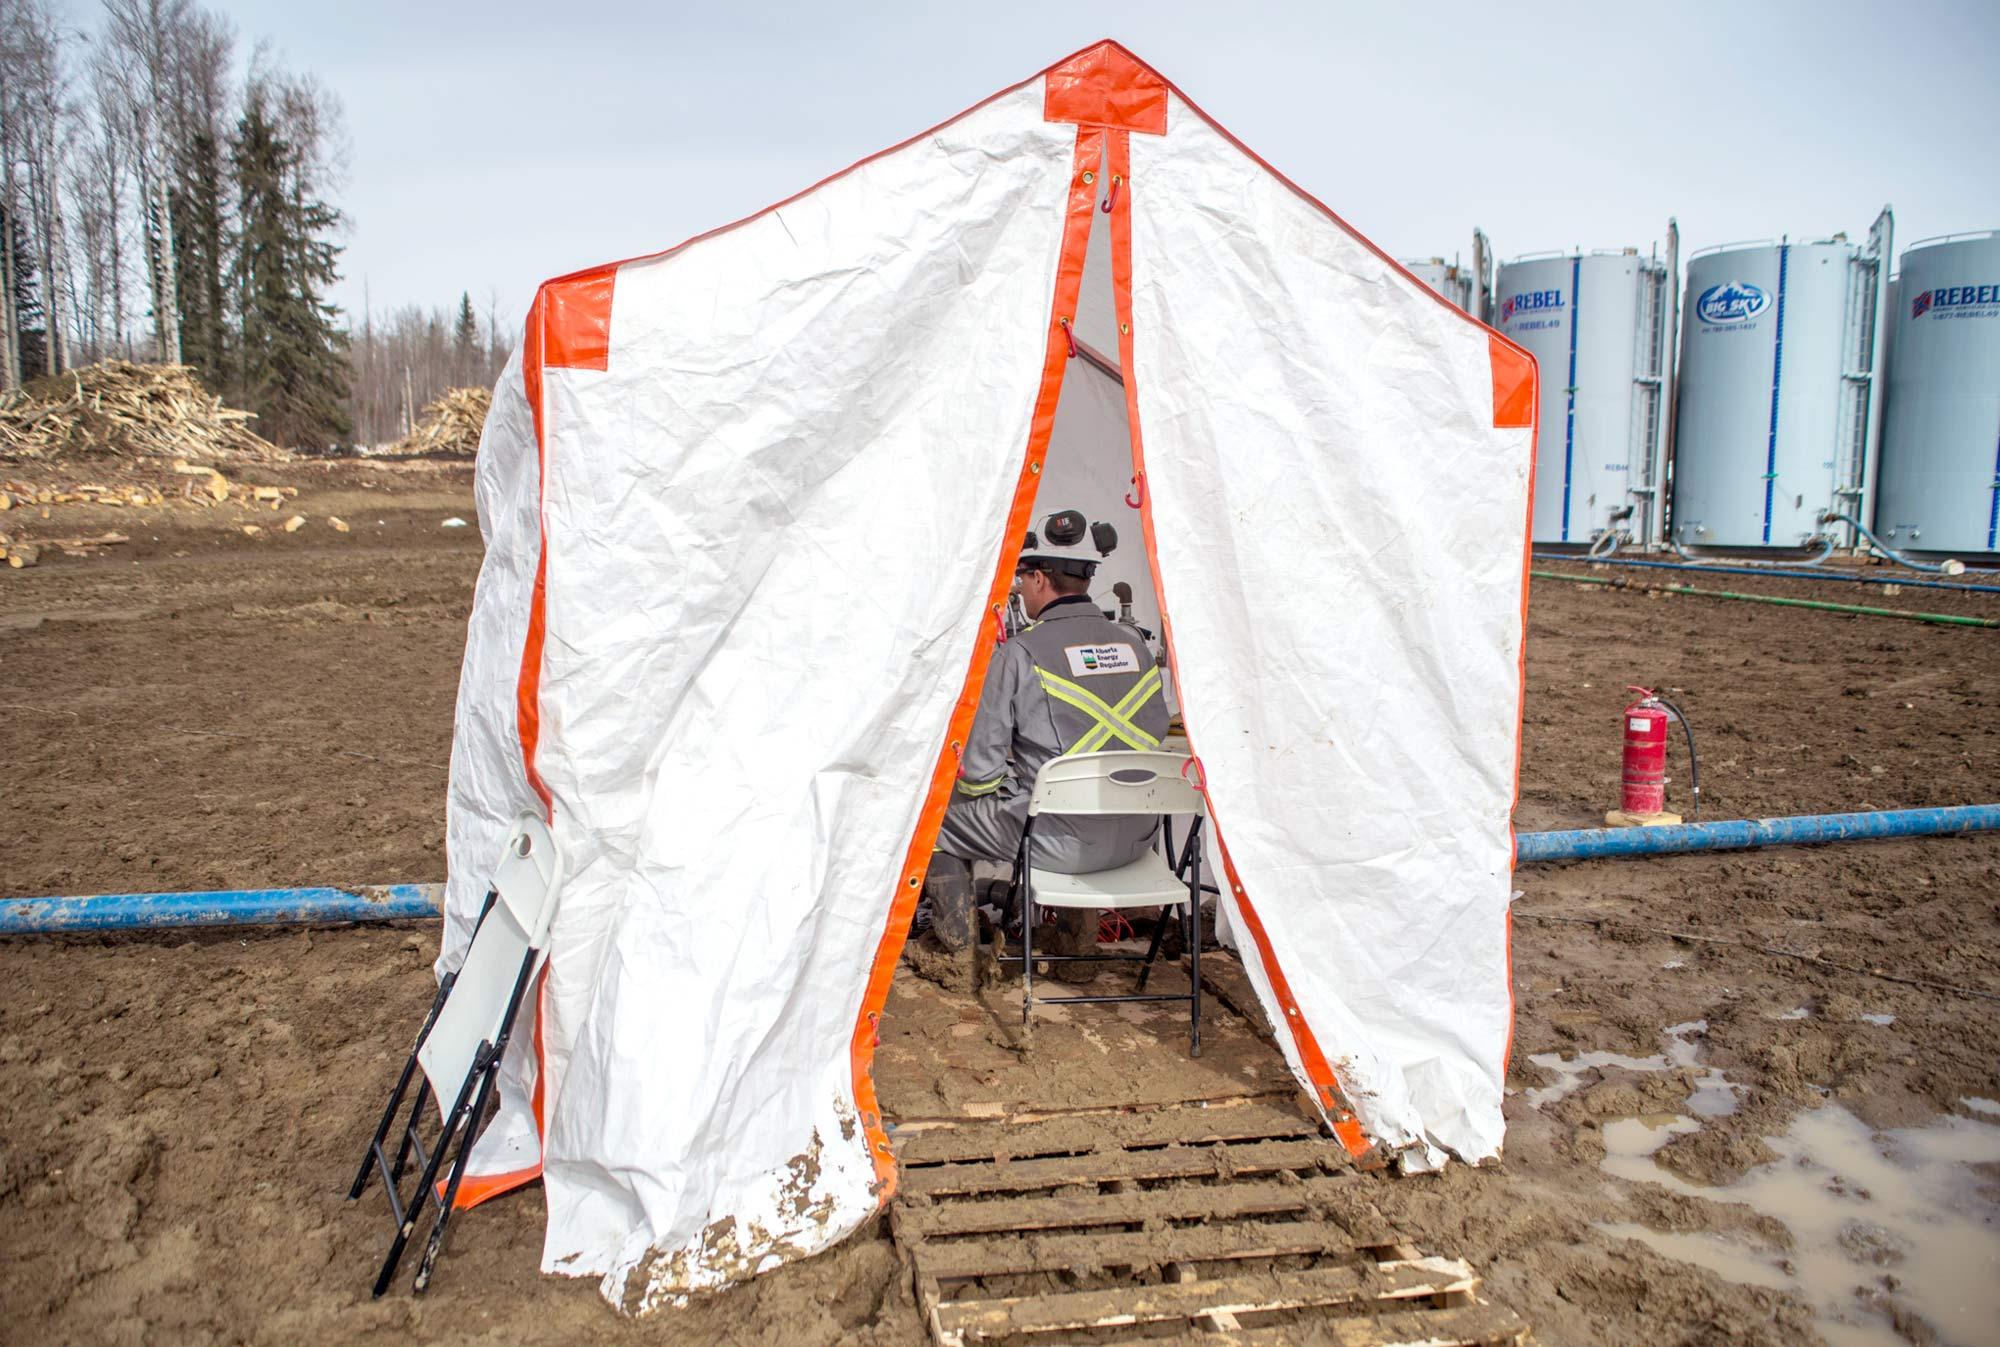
[(1239, 1222)]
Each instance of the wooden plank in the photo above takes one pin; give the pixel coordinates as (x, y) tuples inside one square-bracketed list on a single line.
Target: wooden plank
[(1221, 1320), (1341, 1198), (963, 1142), (1257, 1157), (1011, 1253), (960, 1321), (1467, 1326)]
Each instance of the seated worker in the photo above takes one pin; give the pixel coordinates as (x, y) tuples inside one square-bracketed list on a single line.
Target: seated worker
[(1072, 681)]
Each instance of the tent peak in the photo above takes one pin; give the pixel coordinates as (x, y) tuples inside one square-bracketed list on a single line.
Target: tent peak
[(1106, 85)]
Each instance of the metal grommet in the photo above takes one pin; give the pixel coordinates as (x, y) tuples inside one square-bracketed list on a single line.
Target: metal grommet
[(1035, 468), (1088, 177), (1125, 328), (914, 881)]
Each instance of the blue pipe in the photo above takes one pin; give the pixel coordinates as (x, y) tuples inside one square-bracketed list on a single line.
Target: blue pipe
[(229, 907), (1738, 834), (1770, 573), (402, 902)]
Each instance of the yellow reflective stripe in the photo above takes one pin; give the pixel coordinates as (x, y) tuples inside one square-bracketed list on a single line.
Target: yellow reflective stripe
[(1110, 721), (1101, 733), (1141, 693), (981, 787), (1093, 706), (1128, 706)]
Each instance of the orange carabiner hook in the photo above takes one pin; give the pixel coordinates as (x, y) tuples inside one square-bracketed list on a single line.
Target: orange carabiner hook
[(1137, 496)]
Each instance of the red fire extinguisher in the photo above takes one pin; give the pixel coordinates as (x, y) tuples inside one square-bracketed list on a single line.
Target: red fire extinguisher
[(1645, 786), (1643, 797)]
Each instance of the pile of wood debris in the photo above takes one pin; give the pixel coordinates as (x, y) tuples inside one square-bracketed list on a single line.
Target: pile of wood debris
[(449, 426), (126, 410)]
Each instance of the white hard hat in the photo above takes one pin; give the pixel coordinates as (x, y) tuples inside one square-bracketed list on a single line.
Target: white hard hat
[(1066, 541)]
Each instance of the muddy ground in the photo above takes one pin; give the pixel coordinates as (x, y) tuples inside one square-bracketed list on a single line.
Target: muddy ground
[(200, 707)]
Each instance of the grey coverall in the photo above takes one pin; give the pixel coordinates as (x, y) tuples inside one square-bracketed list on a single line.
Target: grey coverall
[(1073, 681)]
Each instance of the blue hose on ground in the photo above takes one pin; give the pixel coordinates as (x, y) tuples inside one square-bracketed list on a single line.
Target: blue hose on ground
[(1738, 834), (1833, 576), (402, 902), (230, 907)]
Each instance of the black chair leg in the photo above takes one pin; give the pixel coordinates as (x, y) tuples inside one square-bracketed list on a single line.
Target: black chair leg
[(451, 1152), (402, 1086), (1152, 949), (1027, 953), (488, 1072), (1194, 960), (424, 1184)]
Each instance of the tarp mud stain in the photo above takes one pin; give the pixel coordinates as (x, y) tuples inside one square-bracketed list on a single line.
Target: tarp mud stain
[(727, 1250)]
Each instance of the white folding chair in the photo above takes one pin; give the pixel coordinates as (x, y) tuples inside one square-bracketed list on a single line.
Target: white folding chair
[(1116, 783), (462, 1041)]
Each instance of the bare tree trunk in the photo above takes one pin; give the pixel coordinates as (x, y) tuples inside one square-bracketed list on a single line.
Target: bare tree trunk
[(10, 331), (58, 272), (141, 34), (158, 223)]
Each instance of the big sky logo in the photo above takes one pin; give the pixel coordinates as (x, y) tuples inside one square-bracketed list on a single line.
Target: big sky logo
[(1953, 298), (1731, 303), (1530, 301)]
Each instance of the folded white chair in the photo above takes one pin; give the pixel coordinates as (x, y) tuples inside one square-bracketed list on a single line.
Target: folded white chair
[(462, 1041), (1116, 783)]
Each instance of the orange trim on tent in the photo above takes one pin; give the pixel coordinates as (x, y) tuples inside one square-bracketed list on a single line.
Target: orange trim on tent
[(569, 327), (1332, 1097), (1513, 385), (1106, 85), (1515, 407), (577, 321), (903, 903)]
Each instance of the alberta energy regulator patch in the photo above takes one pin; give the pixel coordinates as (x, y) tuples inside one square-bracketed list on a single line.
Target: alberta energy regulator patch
[(1085, 660)]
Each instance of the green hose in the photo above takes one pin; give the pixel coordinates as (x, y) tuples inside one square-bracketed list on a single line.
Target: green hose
[(1944, 619)]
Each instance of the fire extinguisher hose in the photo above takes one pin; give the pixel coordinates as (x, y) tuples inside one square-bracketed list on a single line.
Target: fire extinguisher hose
[(1694, 763)]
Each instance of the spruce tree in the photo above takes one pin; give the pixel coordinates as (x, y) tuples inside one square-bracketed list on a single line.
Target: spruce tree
[(465, 342), (30, 329), (195, 201), (292, 363)]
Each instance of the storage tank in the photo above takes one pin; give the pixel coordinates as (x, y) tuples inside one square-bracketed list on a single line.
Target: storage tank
[(1600, 325), (1939, 485), (1776, 425), (1456, 283)]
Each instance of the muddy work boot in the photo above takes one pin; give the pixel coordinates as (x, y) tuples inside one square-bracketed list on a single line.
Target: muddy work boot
[(948, 895)]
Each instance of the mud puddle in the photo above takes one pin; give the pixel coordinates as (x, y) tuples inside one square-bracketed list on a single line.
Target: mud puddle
[(1714, 1096), (1891, 1233)]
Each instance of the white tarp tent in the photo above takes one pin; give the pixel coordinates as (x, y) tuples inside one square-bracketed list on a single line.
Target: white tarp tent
[(751, 509)]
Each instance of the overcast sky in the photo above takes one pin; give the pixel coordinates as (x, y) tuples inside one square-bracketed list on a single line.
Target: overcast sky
[(496, 144)]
